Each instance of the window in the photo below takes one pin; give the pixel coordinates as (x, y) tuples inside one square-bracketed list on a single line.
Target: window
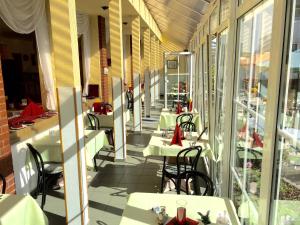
[(219, 126), (252, 73), (205, 78), (224, 14), (287, 167)]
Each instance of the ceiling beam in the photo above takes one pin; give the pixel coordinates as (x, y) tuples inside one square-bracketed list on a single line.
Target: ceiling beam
[(176, 12)]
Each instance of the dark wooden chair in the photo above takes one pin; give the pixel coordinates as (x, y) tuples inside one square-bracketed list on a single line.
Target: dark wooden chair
[(3, 183), (184, 117), (184, 163), (94, 123), (201, 134), (201, 183), (188, 126), (129, 96), (46, 172)]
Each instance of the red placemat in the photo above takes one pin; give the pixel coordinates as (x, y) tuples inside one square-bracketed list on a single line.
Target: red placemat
[(188, 222)]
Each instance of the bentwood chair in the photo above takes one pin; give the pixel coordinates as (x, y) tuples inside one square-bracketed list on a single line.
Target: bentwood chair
[(201, 134), (201, 183), (3, 184), (188, 126), (94, 123), (184, 163), (129, 96), (46, 172), (254, 157), (184, 117)]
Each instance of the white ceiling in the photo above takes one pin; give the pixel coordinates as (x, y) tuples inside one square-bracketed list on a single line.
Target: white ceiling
[(177, 19)]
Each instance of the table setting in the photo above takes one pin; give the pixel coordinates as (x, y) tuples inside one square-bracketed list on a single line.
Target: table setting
[(167, 209)]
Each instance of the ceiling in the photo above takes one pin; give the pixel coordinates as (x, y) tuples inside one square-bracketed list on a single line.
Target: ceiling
[(177, 19)]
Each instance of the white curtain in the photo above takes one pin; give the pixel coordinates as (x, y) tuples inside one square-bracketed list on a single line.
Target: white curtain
[(83, 28), (26, 16)]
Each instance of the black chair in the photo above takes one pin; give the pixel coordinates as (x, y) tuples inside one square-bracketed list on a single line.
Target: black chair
[(255, 159), (184, 117), (46, 172), (94, 122), (129, 96), (3, 184), (95, 125), (184, 163), (188, 126), (202, 184), (108, 106)]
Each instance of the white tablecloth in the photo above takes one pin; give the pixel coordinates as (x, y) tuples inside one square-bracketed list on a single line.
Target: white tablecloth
[(138, 209)]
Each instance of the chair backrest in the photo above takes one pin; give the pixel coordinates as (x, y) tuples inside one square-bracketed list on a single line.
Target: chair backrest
[(108, 106), (188, 158), (129, 95), (39, 163), (94, 121), (253, 156), (201, 134), (202, 184), (184, 117), (3, 183), (188, 126)]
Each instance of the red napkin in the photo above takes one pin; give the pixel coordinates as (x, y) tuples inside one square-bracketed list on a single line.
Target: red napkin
[(103, 110), (32, 110), (176, 140), (173, 221), (179, 108), (257, 140), (190, 105), (97, 107)]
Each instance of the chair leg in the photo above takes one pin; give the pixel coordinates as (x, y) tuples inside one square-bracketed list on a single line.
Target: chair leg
[(43, 193), (163, 176), (95, 164), (178, 183)]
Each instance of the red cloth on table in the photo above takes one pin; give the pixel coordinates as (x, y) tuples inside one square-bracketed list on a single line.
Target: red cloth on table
[(32, 110), (190, 105), (30, 113), (103, 110), (176, 140), (97, 107), (257, 140), (179, 108)]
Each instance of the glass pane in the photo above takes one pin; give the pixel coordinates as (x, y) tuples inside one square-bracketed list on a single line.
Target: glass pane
[(219, 126), (224, 10), (254, 34), (201, 88), (205, 76), (213, 68), (287, 195), (214, 20)]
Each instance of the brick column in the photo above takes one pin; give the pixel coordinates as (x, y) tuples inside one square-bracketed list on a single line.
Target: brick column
[(6, 167), (105, 85)]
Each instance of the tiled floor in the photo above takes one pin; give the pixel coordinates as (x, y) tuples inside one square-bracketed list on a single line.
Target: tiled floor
[(114, 181)]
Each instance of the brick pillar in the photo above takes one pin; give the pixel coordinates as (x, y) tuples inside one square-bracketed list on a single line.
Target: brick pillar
[(6, 167), (105, 84)]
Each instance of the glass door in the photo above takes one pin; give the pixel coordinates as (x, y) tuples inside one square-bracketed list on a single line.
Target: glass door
[(252, 73), (286, 200), (206, 85)]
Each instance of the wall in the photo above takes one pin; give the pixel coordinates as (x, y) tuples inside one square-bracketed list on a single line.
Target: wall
[(6, 168)]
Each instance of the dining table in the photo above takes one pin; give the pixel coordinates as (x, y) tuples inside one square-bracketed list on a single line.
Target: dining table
[(160, 145), (138, 210), (20, 210), (167, 120), (50, 148)]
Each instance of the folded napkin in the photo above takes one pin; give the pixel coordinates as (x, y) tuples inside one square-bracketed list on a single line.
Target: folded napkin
[(176, 140), (257, 140), (32, 110), (179, 108), (97, 107)]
